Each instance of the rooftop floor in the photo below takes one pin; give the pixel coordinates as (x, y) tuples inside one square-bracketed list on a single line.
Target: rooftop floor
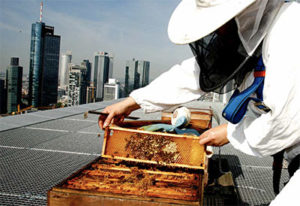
[(38, 150)]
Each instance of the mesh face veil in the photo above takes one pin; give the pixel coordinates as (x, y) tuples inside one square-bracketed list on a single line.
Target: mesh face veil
[(222, 59), (254, 22), (227, 54)]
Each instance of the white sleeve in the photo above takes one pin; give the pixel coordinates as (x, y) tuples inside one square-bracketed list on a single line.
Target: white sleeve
[(178, 85), (278, 129)]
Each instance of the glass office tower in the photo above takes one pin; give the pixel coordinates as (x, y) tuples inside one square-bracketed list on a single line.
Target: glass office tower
[(102, 72), (86, 63), (64, 69), (44, 63), (136, 75), (14, 75), (143, 69)]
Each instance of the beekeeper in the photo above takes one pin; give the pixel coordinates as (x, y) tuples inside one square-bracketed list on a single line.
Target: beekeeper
[(227, 38)]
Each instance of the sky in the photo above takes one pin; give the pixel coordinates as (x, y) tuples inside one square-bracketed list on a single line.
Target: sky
[(125, 28)]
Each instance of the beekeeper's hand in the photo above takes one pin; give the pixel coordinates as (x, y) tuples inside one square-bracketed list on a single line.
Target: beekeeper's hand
[(216, 136), (117, 112)]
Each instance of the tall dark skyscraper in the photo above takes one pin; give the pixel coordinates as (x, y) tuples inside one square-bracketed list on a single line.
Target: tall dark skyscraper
[(136, 75), (14, 75), (102, 72), (86, 63), (3, 95), (142, 78), (44, 63)]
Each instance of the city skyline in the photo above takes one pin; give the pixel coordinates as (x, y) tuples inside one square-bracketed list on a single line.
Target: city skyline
[(127, 29)]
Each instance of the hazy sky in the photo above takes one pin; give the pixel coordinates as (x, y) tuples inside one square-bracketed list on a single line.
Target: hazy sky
[(126, 28)]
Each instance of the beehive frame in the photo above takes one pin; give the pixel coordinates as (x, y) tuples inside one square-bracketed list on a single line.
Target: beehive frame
[(192, 154)]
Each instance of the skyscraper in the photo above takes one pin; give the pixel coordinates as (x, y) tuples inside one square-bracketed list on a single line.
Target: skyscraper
[(111, 66), (136, 75), (14, 75), (90, 94), (3, 95), (64, 71), (143, 69), (44, 63), (74, 88), (130, 71), (77, 88), (102, 72), (88, 65)]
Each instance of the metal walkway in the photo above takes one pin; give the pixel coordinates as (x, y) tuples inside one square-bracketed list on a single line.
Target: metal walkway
[(38, 150)]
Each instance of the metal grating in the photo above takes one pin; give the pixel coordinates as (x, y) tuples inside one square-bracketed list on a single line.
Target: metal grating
[(22, 200), (5, 126), (80, 117), (17, 121), (74, 142), (245, 159), (92, 129), (63, 124), (58, 142), (252, 176), (33, 173), (23, 137)]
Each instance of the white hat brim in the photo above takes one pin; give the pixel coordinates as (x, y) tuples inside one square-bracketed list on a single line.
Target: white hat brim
[(190, 22)]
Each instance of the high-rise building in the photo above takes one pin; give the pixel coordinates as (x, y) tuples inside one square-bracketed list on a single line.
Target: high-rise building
[(102, 72), (14, 75), (25, 86), (74, 88), (111, 66), (88, 65), (111, 90), (44, 63), (3, 95), (136, 75), (143, 69), (64, 69), (130, 71), (90, 96), (77, 88)]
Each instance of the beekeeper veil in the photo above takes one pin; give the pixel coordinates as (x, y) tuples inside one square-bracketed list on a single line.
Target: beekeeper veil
[(225, 37), (253, 22)]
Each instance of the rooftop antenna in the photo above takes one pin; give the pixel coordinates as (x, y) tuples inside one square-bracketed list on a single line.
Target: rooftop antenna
[(41, 11)]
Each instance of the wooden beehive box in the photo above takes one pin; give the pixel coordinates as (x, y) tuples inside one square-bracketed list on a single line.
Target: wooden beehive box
[(118, 177)]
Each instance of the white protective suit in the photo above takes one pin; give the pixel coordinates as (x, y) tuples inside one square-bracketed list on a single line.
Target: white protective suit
[(268, 133)]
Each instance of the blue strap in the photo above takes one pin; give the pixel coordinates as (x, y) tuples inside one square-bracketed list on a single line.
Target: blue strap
[(238, 103)]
